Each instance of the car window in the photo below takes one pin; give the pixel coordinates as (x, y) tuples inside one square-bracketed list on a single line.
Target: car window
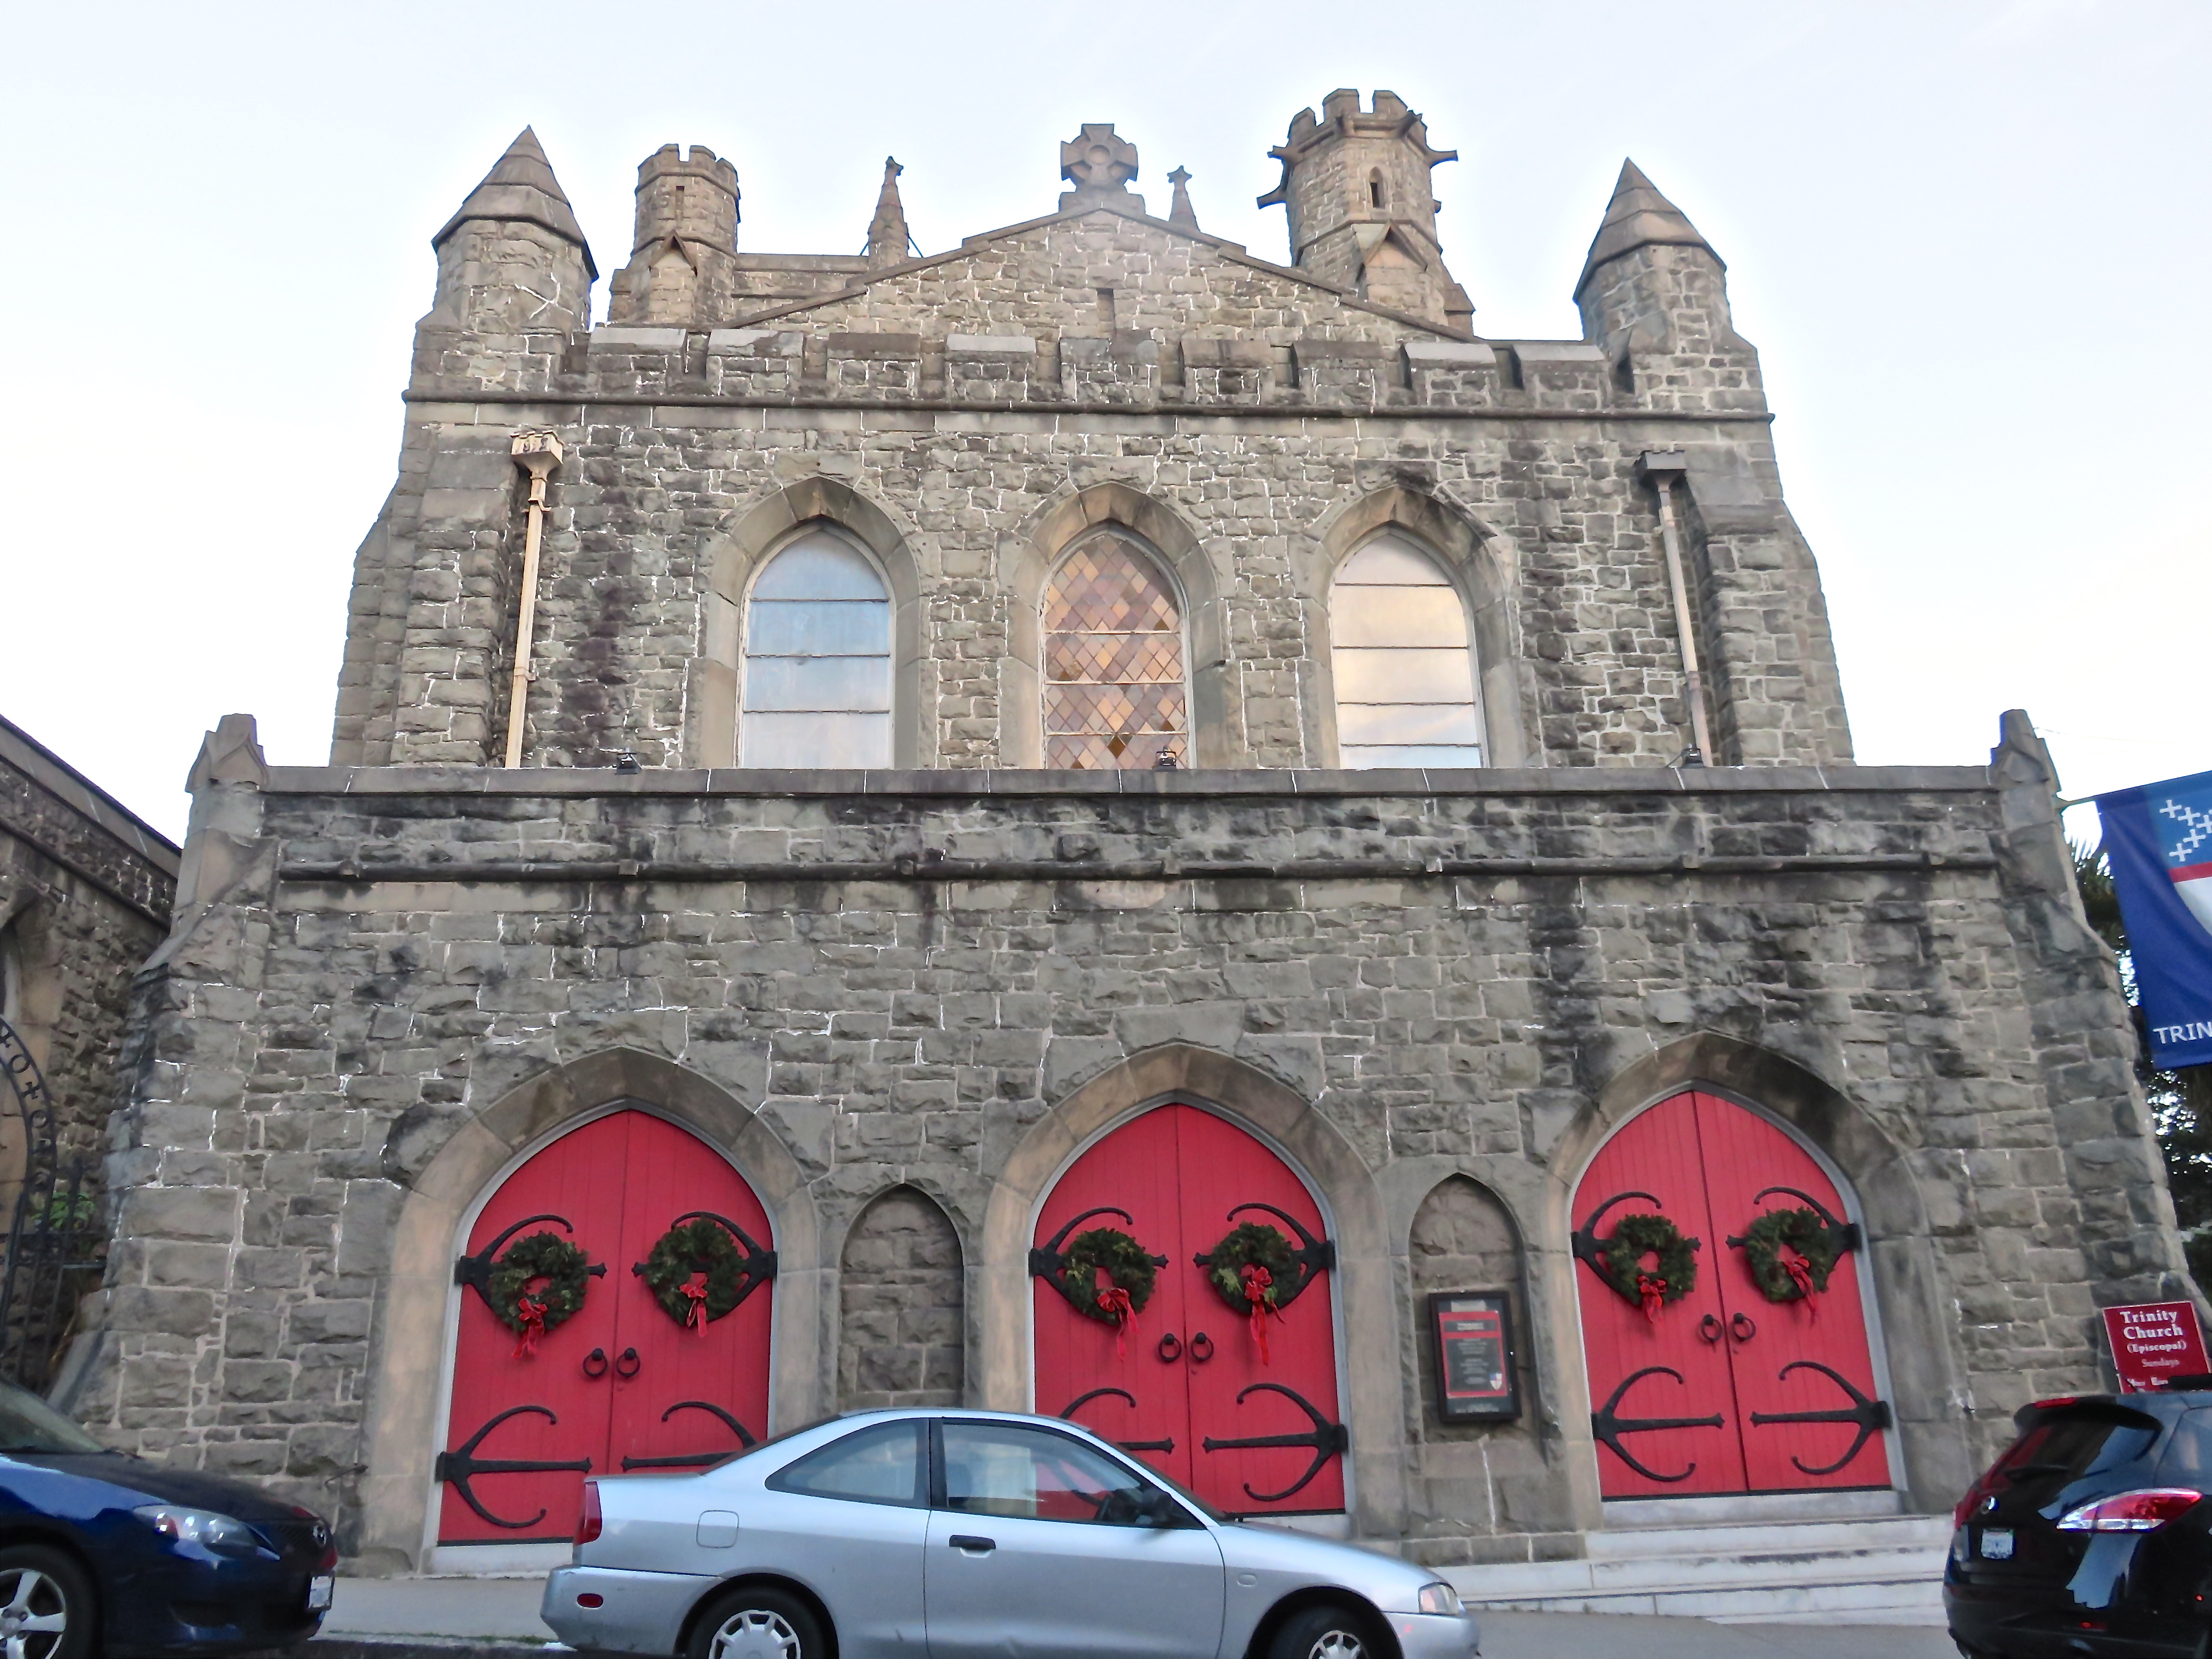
[(2189, 1454), (1005, 1469), (27, 1424), (880, 1464), (2077, 1444)]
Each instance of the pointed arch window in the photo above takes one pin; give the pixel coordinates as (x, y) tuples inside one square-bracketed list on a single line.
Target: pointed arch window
[(817, 659), (1403, 657), (1114, 692)]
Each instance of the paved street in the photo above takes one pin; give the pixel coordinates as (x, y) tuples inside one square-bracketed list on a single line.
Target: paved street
[(490, 1608)]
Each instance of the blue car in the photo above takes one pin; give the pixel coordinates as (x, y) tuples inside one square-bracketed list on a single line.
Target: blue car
[(104, 1554)]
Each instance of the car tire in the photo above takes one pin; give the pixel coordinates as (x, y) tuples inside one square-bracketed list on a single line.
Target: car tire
[(762, 1623), (46, 1602), (1331, 1631)]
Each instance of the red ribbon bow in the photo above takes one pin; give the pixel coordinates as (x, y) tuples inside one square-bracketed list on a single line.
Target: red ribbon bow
[(1652, 1291), (1114, 1302), (532, 1315), (695, 1316), (1260, 1301), (1801, 1275)]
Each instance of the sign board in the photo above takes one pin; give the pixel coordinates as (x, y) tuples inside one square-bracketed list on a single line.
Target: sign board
[(1477, 1381), (2154, 1341)]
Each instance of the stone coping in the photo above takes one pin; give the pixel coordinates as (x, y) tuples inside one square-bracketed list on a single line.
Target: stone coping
[(27, 755), (1197, 783)]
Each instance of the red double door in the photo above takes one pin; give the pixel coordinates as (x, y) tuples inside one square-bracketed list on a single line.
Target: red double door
[(1725, 1390), (621, 1384), (1187, 1389)]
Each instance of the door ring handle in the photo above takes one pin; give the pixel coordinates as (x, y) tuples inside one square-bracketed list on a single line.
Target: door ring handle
[(629, 1365), (1742, 1328), (1197, 1358), (1709, 1328), (595, 1363), (1169, 1349)]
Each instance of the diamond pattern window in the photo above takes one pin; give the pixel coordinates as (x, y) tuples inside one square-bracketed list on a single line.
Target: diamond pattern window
[(1113, 661), (1404, 662), (817, 659)]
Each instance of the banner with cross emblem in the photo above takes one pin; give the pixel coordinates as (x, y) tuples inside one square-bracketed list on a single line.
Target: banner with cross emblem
[(2158, 838)]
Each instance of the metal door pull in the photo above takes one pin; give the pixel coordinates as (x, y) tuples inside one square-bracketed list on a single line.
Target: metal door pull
[(962, 1541)]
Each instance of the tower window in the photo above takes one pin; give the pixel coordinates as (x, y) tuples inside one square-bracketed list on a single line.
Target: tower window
[(1404, 662), (1113, 661), (817, 659), (1375, 188)]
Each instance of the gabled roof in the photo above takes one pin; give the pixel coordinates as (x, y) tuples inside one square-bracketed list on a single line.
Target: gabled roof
[(1638, 217), (521, 187), (1235, 252)]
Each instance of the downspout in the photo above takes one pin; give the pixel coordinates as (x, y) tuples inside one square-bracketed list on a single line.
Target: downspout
[(1663, 468), (537, 453)]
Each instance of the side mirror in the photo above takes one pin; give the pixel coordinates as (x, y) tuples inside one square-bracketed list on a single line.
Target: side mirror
[(1157, 1508)]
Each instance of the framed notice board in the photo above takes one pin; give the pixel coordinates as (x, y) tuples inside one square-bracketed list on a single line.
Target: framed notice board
[(1477, 1381)]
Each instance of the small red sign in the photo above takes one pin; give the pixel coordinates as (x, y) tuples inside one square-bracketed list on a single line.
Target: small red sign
[(2154, 1342)]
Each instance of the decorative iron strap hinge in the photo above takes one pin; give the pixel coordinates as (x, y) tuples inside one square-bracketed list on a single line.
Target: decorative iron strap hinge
[(1326, 1440), (1608, 1426), (1848, 1235), (475, 1271), (1049, 1262), (1872, 1416), (1589, 1247), (458, 1468), (1067, 1415), (695, 1459), (1314, 1256)]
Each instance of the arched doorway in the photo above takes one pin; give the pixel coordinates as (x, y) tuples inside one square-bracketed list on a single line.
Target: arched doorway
[(624, 1383), (1734, 1385), (1245, 1414)]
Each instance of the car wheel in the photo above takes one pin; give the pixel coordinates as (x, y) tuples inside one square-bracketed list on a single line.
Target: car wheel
[(1324, 1633), (757, 1624), (46, 1605)]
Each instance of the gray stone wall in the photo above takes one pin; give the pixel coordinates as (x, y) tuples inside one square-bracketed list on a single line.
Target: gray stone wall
[(901, 1326), (85, 894), (897, 976), (1257, 407)]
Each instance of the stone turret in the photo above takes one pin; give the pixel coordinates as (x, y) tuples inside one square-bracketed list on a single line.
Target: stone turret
[(1356, 186), (888, 234), (1652, 285), (513, 258), (681, 258)]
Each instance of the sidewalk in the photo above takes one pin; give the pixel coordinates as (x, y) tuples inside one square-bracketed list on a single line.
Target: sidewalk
[(496, 1618)]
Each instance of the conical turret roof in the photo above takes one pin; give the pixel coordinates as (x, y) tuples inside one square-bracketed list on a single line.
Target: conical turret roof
[(1637, 217), (522, 187)]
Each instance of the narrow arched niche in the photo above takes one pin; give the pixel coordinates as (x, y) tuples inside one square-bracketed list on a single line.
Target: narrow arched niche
[(900, 1306), (1485, 1478)]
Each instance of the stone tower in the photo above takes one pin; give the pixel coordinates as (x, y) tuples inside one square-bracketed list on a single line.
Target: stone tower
[(681, 259), (512, 257), (1356, 186), (1652, 285)]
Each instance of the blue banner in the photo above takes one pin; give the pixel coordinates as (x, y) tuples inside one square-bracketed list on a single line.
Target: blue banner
[(2158, 840)]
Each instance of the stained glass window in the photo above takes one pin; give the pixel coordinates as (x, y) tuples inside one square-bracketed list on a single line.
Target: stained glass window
[(1404, 666), (818, 670), (1113, 661)]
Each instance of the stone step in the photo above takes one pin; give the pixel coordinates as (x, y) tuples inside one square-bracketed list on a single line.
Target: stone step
[(1881, 1570)]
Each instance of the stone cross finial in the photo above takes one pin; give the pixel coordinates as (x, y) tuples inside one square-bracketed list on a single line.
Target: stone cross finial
[(1099, 162), (1179, 211), (888, 234)]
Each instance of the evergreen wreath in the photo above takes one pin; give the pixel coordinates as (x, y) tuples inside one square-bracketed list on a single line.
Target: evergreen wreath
[(697, 1272), (1257, 1244), (1673, 1275), (564, 1267), (1804, 1230), (1128, 1266)]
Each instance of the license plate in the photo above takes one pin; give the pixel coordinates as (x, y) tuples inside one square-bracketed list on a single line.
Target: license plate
[(319, 1588), (1996, 1543)]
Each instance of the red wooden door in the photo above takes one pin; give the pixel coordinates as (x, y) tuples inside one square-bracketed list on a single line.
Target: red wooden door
[(620, 1380), (1714, 1395), (1190, 1380)]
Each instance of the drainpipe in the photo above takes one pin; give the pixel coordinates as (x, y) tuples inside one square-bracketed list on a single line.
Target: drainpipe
[(537, 453), (1663, 468)]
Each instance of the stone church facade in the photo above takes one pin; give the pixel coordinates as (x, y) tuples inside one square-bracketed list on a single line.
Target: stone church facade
[(902, 723)]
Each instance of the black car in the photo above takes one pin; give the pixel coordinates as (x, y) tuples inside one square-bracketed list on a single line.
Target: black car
[(2090, 1534), (104, 1554)]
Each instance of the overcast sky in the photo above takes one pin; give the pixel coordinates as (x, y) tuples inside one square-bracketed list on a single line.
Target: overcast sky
[(1968, 239)]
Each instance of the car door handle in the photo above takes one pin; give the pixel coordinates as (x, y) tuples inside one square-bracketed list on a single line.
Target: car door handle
[(962, 1541)]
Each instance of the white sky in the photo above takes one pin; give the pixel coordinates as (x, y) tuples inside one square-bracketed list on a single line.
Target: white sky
[(1967, 238)]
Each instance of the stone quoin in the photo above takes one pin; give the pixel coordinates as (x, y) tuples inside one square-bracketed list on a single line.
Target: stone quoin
[(1036, 757)]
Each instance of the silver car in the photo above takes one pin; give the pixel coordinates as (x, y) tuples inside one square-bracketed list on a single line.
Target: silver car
[(958, 1534)]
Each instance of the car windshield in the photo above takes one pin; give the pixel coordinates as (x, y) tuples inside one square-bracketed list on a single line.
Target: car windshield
[(27, 1424)]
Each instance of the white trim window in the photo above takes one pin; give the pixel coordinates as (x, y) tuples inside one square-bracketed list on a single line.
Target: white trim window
[(1403, 658), (817, 659)]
